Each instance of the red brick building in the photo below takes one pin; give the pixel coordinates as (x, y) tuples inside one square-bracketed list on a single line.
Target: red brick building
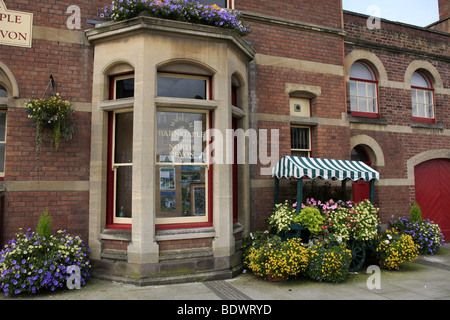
[(332, 86)]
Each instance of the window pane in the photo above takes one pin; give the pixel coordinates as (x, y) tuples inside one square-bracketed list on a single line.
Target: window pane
[(2, 157), (182, 191), (123, 149), (418, 80), (421, 96), (125, 88), (362, 89), (414, 108), (177, 87), (362, 104), (300, 138), (421, 110), (180, 137), (353, 91), (123, 191), (430, 111), (3, 92), (414, 95), (372, 105), (2, 126), (361, 71), (429, 97), (371, 92), (354, 103)]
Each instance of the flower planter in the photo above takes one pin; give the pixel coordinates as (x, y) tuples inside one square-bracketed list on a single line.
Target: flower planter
[(296, 231)]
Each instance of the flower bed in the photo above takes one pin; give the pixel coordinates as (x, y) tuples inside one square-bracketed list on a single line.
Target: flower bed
[(268, 256), (425, 234), (183, 10), (31, 263), (395, 249), (329, 263)]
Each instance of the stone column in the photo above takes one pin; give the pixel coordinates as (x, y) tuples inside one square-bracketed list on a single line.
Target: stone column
[(143, 248)]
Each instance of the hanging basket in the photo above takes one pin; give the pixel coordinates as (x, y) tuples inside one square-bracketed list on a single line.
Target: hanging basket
[(51, 113)]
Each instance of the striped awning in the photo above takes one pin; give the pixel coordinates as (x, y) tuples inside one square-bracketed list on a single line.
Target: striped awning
[(298, 167)]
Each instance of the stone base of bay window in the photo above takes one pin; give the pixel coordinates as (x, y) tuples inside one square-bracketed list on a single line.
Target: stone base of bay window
[(181, 257), (180, 267)]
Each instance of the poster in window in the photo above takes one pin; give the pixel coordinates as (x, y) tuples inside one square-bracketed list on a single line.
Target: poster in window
[(168, 202), (190, 174), (167, 178), (198, 199)]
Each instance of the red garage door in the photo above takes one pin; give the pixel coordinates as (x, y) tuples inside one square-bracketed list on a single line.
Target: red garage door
[(433, 192)]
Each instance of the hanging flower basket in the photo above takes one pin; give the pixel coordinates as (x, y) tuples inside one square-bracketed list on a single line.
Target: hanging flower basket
[(53, 114)]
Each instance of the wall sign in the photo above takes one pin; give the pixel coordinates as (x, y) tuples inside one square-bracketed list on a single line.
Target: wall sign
[(15, 27)]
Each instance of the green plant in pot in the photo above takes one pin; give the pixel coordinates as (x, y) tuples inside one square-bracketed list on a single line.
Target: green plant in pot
[(311, 219)]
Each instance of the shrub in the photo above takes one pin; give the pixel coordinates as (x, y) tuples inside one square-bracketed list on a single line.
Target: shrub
[(394, 249), (415, 214), (44, 227), (31, 263), (329, 263), (426, 234)]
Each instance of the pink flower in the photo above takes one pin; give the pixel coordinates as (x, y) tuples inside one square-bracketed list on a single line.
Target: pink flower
[(294, 205)]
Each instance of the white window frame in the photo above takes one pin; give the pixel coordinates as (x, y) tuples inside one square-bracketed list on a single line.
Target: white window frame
[(307, 150), (416, 92), (115, 166)]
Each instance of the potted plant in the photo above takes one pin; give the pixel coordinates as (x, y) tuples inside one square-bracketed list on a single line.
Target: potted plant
[(281, 219), (311, 219), (276, 260)]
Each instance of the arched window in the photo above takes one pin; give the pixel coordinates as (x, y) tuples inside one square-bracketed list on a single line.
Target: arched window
[(422, 97), (363, 90)]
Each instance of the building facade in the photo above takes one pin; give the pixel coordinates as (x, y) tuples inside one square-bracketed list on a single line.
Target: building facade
[(309, 80)]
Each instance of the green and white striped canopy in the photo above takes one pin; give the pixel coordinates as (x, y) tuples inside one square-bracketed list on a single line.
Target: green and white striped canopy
[(298, 167)]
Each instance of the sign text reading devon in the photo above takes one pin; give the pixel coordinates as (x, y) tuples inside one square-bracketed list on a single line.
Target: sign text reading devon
[(15, 27)]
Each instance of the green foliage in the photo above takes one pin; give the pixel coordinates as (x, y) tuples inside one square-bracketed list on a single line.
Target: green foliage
[(311, 219), (44, 227), (415, 215)]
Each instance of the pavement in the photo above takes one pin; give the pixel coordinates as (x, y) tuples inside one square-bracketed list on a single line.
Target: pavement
[(427, 278)]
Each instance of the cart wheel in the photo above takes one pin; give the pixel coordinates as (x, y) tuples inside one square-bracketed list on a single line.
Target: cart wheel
[(358, 255)]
